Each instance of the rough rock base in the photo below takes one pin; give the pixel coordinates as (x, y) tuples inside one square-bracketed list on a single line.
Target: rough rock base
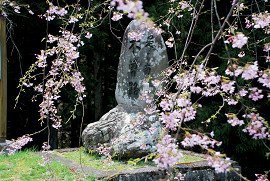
[(126, 131)]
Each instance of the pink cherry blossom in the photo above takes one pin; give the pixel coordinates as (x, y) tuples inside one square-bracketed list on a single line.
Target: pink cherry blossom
[(171, 39), (88, 35), (241, 54), (203, 141), (248, 24), (135, 35), (261, 177), (267, 59), (195, 89), (104, 149), (61, 12), (151, 109), (228, 87), (256, 127), (189, 113), (169, 44), (212, 78), (211, 91), (57, 124), (170, 120), (173, 108), (179, 176), (185, 80), (255, 94), (143, 146), (168, 154), (266, 47), (261, 20), (240, 6), (156, 83), (73, 19), (117, 16), (234, 71), (31, 12), (184, 5), (18, 144), (153, 129), (212, 134), (265, 78), (221, 165), (166, 104), (51, 38), (250, 71), (139, 121), (239, 40), (183, 101), (233, 120), (134, 10), (45, 155), (41, 59), (230, 100), (243, 92)]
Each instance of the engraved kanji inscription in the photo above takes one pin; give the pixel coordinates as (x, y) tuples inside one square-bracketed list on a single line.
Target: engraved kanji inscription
[(133, 89)]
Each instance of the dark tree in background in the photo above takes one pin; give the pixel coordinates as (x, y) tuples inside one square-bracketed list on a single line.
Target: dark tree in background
[(98, 64)]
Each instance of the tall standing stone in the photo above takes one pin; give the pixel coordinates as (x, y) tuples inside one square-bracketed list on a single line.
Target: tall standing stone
[(139, 60)]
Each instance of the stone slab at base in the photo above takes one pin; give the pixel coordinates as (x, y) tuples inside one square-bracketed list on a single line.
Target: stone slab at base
[(194, 171), (3, 147), (197, 171)]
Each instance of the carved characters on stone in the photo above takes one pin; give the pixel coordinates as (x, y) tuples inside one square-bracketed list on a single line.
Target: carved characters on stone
[(139, 60)]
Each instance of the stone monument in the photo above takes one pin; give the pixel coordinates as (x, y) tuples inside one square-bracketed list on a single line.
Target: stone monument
[(123, 127)]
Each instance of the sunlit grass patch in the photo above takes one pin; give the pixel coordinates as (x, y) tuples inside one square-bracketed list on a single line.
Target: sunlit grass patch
[(190, 158), (24, 166)]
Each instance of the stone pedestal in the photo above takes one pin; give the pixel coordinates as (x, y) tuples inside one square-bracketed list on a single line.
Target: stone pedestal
[(119, 128), (123, 127)]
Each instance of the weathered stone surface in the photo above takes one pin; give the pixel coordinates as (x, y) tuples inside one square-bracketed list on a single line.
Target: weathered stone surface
[(102, 131), (139, 60), (198, 171), (195, 171), (137, 141), (119, 123)]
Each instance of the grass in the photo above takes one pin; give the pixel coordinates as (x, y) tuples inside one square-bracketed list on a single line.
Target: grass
[(95, 161), (190, 158), (24, 166)]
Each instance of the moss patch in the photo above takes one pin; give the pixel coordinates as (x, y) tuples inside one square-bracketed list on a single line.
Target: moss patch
[(95, 161)]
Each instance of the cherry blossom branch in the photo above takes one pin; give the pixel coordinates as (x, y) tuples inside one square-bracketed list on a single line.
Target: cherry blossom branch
[(191, 30), (219, 32)]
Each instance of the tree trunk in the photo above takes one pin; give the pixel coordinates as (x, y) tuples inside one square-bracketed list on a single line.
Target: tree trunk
[(53, 140), (98, 88)]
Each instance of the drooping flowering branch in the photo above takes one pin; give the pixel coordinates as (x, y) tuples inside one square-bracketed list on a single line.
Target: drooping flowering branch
[(206, 82)]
